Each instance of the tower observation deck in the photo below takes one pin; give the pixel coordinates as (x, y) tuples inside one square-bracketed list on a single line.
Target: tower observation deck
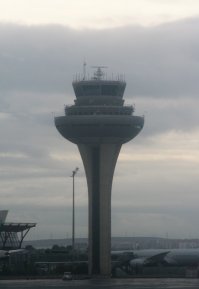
[(99, 123)]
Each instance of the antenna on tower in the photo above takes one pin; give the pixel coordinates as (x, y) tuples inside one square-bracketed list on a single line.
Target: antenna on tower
[(99, 73), (84, 69)]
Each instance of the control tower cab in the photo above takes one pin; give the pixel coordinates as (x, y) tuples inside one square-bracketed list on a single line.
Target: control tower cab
[(99, 114), (99, 123)]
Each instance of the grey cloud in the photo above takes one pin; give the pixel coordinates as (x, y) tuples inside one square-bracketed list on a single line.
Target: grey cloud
[(164, 115), (159, 61), (37, 64)]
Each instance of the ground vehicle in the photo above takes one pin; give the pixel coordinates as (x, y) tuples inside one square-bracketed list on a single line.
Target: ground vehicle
[(67, 276)]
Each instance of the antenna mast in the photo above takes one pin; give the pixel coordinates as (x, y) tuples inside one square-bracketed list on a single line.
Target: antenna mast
[(84, 70)]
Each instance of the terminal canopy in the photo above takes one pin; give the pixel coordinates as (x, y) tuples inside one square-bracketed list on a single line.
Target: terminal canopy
[(13, 234)]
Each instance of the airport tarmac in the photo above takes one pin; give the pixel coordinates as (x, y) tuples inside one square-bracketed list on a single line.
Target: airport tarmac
[(102, 284)]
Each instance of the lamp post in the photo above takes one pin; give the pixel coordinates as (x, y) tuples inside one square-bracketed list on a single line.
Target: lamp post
[(73, 213)]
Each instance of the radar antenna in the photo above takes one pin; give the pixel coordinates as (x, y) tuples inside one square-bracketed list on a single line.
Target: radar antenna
[(98, 73)]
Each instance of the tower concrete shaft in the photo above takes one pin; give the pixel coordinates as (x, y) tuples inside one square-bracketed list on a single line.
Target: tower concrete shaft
[(99, 124), (99, 163)]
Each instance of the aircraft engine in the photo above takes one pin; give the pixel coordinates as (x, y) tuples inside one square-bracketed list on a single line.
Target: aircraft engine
[(137, 265)]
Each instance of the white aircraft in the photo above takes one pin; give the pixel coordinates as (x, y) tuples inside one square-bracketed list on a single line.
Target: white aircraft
[(6, 253), (175, 257)]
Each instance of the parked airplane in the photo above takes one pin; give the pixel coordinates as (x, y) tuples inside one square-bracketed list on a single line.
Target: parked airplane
[(177, 257)]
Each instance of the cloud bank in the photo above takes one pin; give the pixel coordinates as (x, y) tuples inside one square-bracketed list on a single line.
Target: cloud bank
[(156, 173)]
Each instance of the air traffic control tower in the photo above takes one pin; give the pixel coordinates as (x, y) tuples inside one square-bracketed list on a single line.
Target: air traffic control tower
[(99, 124)]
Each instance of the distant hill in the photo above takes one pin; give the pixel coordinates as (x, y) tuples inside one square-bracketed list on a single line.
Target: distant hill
[(120, 243), (48, 243)]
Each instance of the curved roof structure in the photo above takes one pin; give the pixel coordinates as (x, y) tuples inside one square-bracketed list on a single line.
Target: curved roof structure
[(12, 234)]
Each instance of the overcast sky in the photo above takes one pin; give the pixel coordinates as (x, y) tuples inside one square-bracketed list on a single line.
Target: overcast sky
[(155, 44)]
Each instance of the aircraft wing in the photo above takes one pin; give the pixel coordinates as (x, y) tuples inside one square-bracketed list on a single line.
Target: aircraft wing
[(157, 258), (140, 261)]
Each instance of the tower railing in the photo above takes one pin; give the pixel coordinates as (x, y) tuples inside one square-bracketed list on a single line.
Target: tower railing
[(97, 109), (81, 77)]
